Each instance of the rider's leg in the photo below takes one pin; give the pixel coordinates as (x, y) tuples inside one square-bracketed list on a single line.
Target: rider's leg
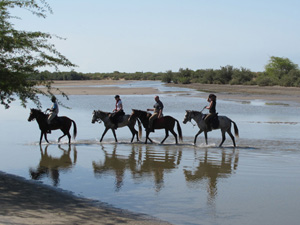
[(151, 119)]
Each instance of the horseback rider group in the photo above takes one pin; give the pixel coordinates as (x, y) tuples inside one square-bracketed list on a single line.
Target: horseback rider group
[(157, 111)]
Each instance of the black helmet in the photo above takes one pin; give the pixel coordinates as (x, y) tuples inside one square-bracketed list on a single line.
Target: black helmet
[(117, 96), (53, 98)]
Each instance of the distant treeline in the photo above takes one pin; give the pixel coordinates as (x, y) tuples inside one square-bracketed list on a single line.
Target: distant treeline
[(279, 71)]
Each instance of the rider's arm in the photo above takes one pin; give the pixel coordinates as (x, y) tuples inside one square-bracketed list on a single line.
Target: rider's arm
[(210, 105), (159, 113)]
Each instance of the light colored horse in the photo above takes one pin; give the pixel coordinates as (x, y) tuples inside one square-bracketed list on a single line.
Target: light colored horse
[(224, 125), (99, 116)]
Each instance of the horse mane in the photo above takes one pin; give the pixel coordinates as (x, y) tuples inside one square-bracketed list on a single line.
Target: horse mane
[(100, 111), (141, 111), (138, 110), (194, 111), (38, 111)]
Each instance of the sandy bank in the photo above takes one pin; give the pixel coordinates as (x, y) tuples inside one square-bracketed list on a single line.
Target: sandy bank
[(26, 202), (240, 92)]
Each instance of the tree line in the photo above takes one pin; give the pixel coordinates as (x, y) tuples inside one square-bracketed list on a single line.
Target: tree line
[(279, 71)]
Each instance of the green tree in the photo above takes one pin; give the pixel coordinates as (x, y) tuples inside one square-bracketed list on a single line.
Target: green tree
[(168, 76), (241, 76), (23, 53), (278, 67)]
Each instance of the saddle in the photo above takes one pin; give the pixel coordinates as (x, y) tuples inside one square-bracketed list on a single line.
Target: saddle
[(159, 120), (214, 121), (56, 120)]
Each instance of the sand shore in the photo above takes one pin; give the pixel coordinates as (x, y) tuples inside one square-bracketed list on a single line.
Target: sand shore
[(238, 92), (26, 202)]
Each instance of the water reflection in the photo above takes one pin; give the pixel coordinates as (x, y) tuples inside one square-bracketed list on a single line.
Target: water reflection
[(144, 161), (50, 166), (153, 162), (210, 168)]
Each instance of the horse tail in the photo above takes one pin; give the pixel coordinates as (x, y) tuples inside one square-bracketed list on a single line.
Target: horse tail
[(74, 129), (140, 128), (179, 130), (236, 130)]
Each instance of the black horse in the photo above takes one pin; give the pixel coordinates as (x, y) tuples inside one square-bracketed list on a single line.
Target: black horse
[(63, 123), (166, 122)]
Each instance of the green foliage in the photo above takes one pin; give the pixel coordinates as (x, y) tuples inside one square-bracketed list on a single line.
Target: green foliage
[(242, 76), (167, 77), (23, 53), (278, 67), (224, 75)]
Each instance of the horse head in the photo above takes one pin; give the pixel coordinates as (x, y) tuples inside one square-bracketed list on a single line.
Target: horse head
[(99, 115), (34, 113), (187, 116), (190, 114), (94, 118)]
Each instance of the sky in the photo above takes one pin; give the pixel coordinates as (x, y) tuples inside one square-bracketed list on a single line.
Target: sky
[(161, 35)]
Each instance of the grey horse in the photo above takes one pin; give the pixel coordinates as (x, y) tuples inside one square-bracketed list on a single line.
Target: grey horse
[(224, 125), (99, 116)]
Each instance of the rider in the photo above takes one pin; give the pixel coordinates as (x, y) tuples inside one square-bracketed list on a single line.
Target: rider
[(158, 109), (212, 99), (117, 112), (53, 111)]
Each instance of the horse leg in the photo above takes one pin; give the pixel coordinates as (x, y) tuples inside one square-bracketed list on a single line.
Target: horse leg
[(205, 136), (167, 135), (45, 135), (175, 135), (223, 138), (232, 137), (41, 137), (147, 137), (114, 133), (62, 137), (133, 132), (106, 129), (195, 139)]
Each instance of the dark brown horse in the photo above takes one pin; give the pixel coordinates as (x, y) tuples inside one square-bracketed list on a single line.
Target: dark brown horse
[(166, 122), (63, 123)]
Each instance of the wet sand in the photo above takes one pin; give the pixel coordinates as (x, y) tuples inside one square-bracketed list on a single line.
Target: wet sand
[(29, 202)]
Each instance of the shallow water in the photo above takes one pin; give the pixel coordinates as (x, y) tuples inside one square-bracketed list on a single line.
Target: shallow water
[(255, 183)]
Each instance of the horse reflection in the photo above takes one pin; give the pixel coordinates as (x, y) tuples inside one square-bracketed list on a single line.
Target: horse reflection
[(211, 169), (50, 166), (140, 163)]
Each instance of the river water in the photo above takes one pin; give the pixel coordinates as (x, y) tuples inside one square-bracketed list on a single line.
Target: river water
[(258, 182)]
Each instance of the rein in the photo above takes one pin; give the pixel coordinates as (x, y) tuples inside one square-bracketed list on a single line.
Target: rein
[(192, 123)]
